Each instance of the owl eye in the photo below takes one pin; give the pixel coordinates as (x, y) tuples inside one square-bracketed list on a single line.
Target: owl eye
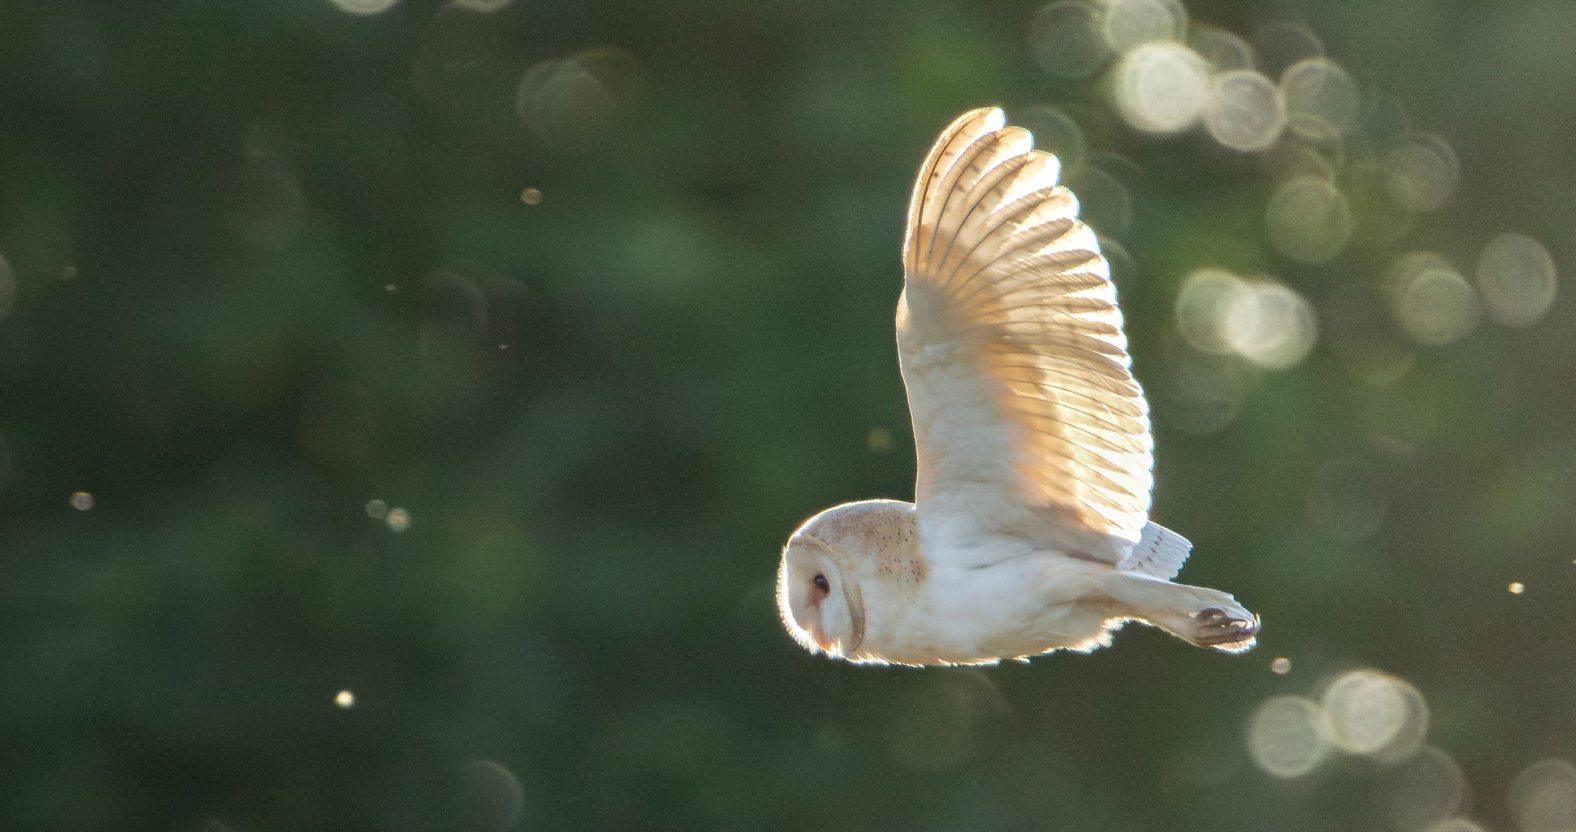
[(821, 584)]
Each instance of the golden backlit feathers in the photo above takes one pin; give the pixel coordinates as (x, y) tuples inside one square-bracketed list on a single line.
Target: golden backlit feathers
[(1027, 419)]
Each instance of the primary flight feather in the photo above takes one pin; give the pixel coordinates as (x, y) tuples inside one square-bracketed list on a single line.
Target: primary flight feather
[(1029, 531)]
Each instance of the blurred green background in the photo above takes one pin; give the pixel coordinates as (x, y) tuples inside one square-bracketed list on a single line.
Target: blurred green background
[(269, 263)]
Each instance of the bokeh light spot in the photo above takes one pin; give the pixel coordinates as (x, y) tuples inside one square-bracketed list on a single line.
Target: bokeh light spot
[(1056, 133), (491, 797), (1204, 306), (398, 519), (531, 196), (82, 501), (364, 6), (1104, 201), (1375, 714), (1282, 43), (1223, 50), (1516, 588), (345, 700), (1067, 39), (1280, 666), (1246, 111), (1129, 23), (1118, 258), (1321, 99), (1456, 825), (1161, 87), (879, 440), (1426, 789), (1261, 320), (1271, 325), (377, 509), (1516, 277), (1422, 172), (572, 102), (1309, 219), (1293, 157), (1432, 301), (1286, 736), (1543, 796)]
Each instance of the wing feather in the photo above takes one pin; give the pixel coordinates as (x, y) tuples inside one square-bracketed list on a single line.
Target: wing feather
[(1160, 553), (1027, 417)]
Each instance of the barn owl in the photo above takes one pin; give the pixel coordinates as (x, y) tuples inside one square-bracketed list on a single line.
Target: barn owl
[(1029, 531)]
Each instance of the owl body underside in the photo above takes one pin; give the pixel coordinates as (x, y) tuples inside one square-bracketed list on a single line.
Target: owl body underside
[(994, 597), (984, 614)]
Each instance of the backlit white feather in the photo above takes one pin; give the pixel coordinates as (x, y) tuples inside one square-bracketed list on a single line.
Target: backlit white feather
[(1027, 419)]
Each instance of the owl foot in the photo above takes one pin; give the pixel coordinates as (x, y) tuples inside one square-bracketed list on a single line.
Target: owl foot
[(1232, 632), (1198, 615)]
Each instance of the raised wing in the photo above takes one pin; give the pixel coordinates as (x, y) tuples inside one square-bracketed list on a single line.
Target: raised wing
[(1027, 420)]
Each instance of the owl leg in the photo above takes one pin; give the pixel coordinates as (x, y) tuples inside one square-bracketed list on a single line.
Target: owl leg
[(1200, 616)]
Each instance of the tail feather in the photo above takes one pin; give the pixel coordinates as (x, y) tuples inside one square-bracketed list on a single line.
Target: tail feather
[(1160, 553)]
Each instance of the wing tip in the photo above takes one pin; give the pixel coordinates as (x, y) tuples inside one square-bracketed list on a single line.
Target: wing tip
[(989, 118), (993, 118)]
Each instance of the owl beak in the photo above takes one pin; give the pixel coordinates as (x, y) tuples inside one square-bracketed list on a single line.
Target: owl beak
[(856, 614), (818, 633), (836, 646)]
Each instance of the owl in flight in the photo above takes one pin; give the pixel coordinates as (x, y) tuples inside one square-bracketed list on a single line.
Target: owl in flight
[(1029, 531)]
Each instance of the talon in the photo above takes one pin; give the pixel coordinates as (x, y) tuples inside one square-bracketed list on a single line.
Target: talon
[(1217, 628)]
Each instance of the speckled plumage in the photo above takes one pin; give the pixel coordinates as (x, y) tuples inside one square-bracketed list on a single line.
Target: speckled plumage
[(1030, 530)]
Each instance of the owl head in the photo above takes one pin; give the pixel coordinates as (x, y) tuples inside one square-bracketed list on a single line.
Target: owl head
[(819, 597)]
